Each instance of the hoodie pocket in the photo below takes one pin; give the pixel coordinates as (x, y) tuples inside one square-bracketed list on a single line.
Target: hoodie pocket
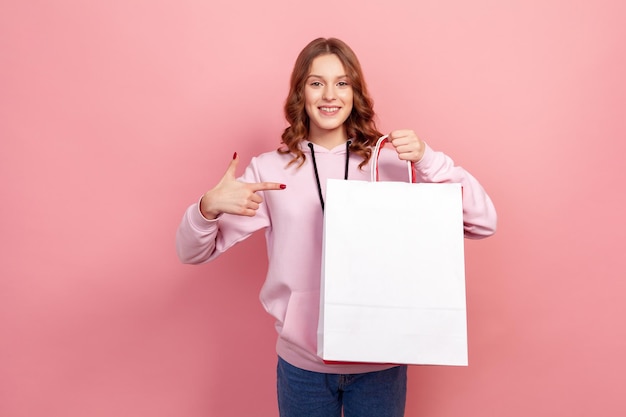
[(301, 318)]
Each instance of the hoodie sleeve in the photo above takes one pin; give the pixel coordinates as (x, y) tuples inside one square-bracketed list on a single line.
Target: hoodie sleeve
[(199, 240), (479, 214)]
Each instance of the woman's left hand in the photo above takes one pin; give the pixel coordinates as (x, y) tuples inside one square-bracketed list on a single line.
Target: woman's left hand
[(408, 146)]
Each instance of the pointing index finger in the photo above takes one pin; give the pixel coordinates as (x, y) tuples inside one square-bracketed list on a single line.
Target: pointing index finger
[(267, 186)]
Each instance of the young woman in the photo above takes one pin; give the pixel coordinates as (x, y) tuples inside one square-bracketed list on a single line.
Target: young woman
[(330, 135)]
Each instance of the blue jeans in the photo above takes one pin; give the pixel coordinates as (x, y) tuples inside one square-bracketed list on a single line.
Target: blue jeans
[(311, 394)]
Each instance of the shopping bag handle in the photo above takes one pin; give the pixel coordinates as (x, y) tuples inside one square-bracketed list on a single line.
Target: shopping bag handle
[(374, 172)]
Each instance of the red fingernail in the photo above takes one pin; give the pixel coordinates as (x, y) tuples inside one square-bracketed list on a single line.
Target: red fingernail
[(283, 186), (235, 155)]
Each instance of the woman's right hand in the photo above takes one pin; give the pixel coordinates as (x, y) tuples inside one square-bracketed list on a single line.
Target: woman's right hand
[(234, 197)]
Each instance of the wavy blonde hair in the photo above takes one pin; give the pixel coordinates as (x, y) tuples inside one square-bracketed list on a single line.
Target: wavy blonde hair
[(360, 125)]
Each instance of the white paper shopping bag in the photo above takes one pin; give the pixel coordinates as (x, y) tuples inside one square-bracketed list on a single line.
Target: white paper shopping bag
[(393, 276)]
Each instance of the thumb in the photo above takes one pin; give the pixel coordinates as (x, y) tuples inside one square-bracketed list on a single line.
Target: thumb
[(232, 167)]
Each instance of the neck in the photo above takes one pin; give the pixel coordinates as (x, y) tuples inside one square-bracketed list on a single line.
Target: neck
[(329, 140)]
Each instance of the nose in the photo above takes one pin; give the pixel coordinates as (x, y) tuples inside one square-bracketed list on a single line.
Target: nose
[(329, 92)]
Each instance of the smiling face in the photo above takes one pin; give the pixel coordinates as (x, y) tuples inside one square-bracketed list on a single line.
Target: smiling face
[(328, 100)]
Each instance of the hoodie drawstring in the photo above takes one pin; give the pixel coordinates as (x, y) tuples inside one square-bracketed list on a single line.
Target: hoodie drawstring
[(317, 176)]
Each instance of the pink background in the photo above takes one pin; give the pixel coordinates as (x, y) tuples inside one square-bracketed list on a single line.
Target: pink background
[(114, 116)]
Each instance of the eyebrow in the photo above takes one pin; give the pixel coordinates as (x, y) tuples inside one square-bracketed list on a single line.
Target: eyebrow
[(320, 76)]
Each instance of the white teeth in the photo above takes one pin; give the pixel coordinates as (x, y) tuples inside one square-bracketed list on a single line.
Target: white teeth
[(329, 109)]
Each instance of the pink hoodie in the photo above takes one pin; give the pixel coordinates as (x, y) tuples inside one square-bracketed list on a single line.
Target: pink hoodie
[(292, 219)]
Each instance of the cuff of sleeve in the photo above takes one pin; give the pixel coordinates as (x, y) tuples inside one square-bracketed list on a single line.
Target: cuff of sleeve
[(198, 221), (429, 155)]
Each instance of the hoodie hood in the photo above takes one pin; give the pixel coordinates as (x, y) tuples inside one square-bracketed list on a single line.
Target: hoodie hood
[(337, 150)]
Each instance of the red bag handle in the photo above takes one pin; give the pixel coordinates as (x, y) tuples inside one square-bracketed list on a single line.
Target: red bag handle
[(374, 177)]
